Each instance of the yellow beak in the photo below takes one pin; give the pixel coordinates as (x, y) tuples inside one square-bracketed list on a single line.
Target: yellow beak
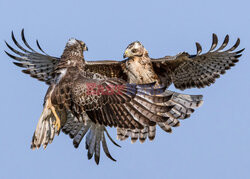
[(126, 54)]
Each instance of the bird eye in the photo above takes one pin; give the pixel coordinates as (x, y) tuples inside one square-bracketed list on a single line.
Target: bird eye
[(134, 50)]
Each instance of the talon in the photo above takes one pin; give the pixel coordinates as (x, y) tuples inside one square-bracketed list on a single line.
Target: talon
[(57, 123)]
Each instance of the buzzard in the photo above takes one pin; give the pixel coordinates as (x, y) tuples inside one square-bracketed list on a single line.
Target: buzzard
[(184, 70), (81, 101)]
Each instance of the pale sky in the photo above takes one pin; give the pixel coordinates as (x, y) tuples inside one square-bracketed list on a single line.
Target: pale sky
[(213, 143)]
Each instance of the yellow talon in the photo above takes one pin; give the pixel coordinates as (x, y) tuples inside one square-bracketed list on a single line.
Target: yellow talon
[(58, 121)]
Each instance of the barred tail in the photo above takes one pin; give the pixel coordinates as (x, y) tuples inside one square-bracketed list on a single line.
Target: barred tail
[(135, 134), (183, 106)]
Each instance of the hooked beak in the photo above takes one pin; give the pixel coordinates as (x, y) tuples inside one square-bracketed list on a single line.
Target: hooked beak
[(85, 48), (126, 53)]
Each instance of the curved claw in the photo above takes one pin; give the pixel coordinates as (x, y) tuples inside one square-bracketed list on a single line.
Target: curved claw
[(57, 124)]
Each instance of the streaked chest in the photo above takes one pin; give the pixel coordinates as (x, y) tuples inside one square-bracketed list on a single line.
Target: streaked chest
[(140, 71)]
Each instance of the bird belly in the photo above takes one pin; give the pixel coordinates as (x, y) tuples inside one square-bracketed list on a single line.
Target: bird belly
[(141, 73)]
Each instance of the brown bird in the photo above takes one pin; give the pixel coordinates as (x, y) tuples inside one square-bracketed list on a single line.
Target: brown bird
[(184, 70), (80, 101)]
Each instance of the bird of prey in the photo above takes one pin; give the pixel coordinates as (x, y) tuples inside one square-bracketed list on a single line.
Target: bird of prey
[(81, 101), (184, 70)]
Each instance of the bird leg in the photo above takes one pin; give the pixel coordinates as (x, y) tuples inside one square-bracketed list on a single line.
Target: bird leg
[(57, 123)]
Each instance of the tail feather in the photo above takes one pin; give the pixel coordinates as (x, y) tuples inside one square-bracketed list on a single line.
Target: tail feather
[(143, 134), (95, 136), (122, 134), (105, 148), (151, 132), (134, 134), (183, 106), (186, 101), (79, 136), (97, 146), (91, 142), (165, 127)]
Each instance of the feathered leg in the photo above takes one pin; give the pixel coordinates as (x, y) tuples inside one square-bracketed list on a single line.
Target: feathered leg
[(57, 122), (48, 125)]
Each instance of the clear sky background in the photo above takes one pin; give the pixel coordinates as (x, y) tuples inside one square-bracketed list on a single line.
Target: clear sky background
[(213, 143)]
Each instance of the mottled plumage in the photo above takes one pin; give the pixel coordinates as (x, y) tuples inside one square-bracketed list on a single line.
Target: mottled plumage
[(200, 70), (184, 70), (76, 107), (139, 70), (133, 115)]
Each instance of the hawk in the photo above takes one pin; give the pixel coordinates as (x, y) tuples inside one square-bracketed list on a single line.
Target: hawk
[(81, 101), (184, 70)]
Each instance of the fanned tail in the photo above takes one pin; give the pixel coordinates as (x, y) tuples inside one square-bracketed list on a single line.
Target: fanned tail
[(183, 106), (135, 134), (78, 128)]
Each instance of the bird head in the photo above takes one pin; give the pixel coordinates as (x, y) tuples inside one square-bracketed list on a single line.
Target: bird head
[(74, 51), (77, 44), (135, 49)]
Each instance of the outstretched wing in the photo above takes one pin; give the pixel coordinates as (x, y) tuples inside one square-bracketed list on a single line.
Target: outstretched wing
[(108, 68), (37, 65), (41, 65), (108, 102), (112, 103), (200, 70)]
